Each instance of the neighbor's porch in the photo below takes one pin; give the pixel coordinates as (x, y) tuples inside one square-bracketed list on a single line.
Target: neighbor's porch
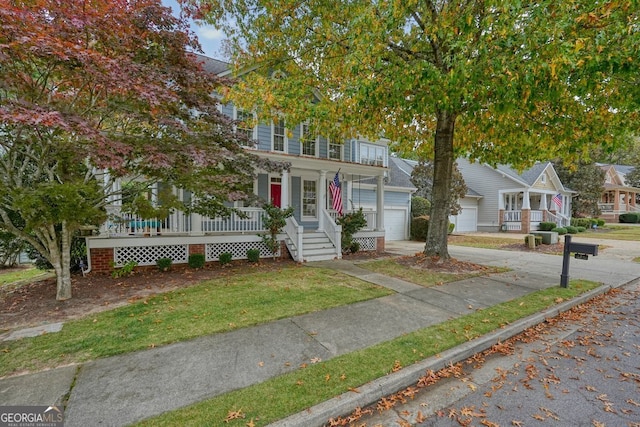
[(618, 200), (522, 211)]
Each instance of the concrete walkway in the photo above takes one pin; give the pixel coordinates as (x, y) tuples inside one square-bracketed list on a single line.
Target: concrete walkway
[(139, 385)]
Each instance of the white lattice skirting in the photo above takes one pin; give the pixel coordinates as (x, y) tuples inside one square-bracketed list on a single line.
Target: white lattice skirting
[(366, 243), (179, 254), (238, 250), (149, 255)]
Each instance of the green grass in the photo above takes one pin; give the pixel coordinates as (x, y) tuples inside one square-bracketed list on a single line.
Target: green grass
[(423, 277), (294, 392), (486, 242), (614, 232), (18, 275), (636, 259), (214, 306)]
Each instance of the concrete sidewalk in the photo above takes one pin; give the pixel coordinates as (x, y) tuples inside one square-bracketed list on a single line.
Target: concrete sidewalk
[(143, 384)]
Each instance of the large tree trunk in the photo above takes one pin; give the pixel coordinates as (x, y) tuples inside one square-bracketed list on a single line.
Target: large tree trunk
[(442, 172), (64, 275)]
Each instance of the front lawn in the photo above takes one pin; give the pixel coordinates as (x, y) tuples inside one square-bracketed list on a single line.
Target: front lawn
[(215, 306), (288, 394)]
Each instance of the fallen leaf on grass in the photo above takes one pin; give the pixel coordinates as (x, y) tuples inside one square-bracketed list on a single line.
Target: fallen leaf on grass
[(234, 415)]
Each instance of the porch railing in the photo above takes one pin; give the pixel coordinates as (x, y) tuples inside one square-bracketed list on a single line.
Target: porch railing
[(333, 230), (369, 215), (622, 208), (249, 222), (512, 216), (294, 238), (124, 224)]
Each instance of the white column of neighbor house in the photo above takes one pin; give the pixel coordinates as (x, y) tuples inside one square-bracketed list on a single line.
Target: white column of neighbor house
[(322, 199), (525, 200), (380, 203), (543, 202)]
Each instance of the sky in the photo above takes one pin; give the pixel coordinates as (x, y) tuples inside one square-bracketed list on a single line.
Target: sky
[(210, 39)]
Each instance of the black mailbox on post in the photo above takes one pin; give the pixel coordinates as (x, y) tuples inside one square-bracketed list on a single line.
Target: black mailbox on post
[(581, 250)]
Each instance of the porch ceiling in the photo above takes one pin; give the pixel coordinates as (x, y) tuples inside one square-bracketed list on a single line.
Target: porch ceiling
[(317, 164)]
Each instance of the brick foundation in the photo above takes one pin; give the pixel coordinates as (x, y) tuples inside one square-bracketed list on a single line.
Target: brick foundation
[(101, 259), (197, 249), (379, 244)]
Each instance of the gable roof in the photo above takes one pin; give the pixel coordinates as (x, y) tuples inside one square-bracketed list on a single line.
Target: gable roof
[(211, 65)]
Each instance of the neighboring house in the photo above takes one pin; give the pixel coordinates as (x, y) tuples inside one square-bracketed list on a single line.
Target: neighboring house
[(517, 202), (362, 167), (617, 197), (465, 221)]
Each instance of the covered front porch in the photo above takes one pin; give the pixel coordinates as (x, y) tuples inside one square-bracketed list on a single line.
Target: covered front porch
[(617, 200), (311, 234), (522, 210)]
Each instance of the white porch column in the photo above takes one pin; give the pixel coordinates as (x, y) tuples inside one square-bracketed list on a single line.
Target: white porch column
[(284, 190), (525, 200), (501, 200), (380, 203), (322, 198), (196, 224), (349, 194), (543, 202)]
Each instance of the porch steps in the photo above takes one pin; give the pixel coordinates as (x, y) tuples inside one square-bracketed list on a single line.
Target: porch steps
[(316, 247)]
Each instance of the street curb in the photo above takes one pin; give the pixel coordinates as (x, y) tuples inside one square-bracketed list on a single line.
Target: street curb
[(370, 393)]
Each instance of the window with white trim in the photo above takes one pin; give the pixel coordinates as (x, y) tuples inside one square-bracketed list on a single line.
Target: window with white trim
[(245, 120), (335, 151), (278, 135), (308, 142), (309, 198), (372, 154)]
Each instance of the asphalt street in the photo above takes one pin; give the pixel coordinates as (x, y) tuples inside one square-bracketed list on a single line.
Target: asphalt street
[(583, 370)]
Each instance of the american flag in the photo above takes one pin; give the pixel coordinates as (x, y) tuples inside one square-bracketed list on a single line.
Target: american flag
[(557, 199), (336, 194)]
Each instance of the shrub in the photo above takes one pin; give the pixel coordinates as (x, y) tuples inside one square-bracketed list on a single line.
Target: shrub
[(630, 217), (452, 226), (355, 247), (581, 229), (225, 258), (600, 222), (560, 230), (547, 226), (351, 223), (571, 229), (253, 255), (419, 228), (538, 240), (125, 270), (164, 264), (420, 206), (196, 260), (274, 220), (583, 222)]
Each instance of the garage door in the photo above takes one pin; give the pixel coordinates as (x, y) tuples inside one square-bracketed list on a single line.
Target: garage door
[(466, 221), (395, 224)]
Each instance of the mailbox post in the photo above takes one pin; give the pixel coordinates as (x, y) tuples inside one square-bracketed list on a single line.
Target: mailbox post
[(581, 250)]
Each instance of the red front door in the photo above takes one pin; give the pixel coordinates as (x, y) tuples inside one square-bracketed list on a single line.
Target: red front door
[(276, 193)]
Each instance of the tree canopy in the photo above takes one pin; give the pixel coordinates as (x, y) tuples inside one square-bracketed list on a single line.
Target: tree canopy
[(94, 91), (497, 81)]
